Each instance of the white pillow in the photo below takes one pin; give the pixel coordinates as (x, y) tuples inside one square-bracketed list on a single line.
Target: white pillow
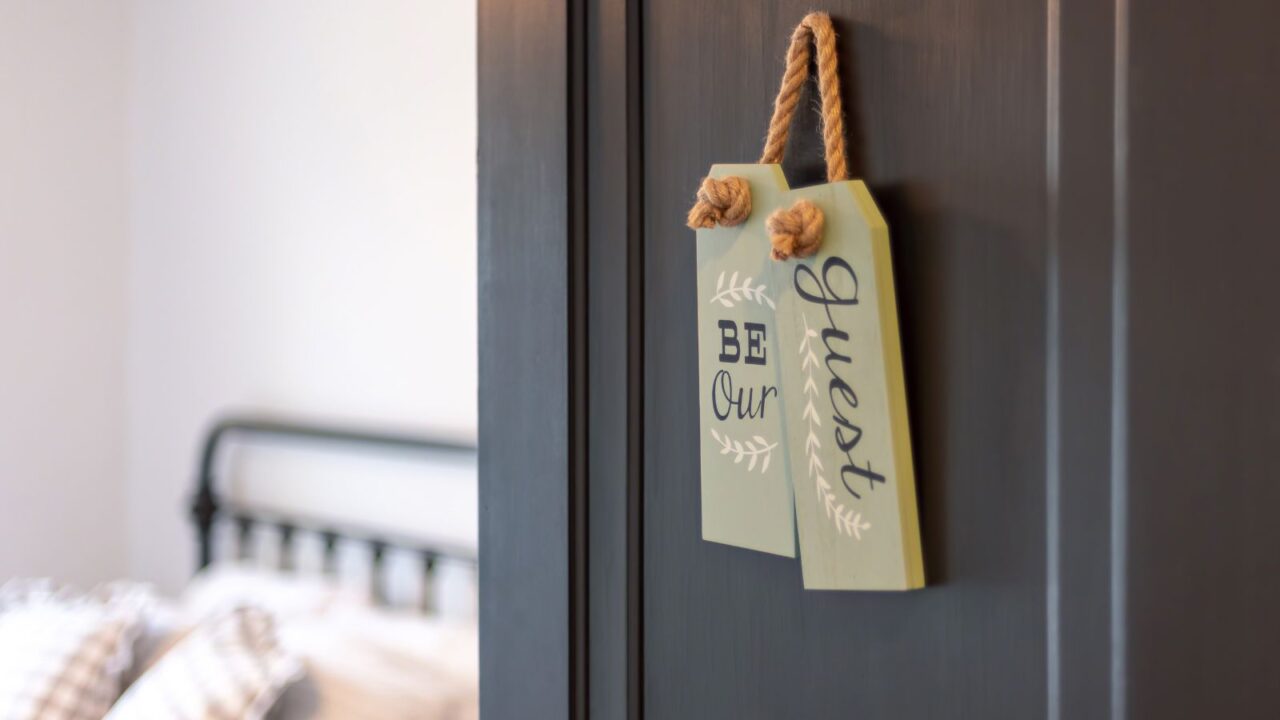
[(369, 664), (223, 586), (229, 667), (62, 654)]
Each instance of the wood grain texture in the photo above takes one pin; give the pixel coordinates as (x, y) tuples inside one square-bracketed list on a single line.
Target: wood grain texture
[(613, 427), (1204, 355), (947, 105), (1046, 178), (525, 433), (1082, 246)]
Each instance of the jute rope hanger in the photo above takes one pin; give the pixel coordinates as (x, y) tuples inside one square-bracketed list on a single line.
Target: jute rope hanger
[(795, 231), (815, 27)]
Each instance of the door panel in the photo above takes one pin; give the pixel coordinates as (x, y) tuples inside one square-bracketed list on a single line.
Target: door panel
[(1203, 352), (525, 336), (947, 104)]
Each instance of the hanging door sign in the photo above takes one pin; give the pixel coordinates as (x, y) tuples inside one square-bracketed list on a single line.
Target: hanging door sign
[(746, 494), (804, 428), (846, 411)]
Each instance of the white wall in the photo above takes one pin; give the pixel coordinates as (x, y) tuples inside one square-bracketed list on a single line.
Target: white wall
[(63, 296), (303, 230), (214, 205)]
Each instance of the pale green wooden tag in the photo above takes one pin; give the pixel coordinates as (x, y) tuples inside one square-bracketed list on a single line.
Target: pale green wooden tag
[(746, 494), (845, 401), (837, 368)]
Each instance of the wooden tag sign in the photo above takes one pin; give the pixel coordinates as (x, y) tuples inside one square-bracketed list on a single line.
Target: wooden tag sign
[(803, 403), (746, 490), (803, 406)]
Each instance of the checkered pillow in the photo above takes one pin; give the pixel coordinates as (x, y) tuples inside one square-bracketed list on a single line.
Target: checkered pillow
[(229, 667), (62, 653)]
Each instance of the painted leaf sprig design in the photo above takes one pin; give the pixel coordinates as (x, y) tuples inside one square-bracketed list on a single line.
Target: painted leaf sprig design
[(755, 450), (736, 291), (847, 521)]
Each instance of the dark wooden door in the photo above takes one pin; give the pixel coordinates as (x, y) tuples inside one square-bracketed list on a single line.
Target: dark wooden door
[(1078, 197), (948, 102)]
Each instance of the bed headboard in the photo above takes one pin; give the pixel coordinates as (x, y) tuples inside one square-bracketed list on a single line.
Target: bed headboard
[(209, 507)]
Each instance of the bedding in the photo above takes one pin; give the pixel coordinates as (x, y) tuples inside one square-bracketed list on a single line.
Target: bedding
[(358, 661), (370, 664), (230, 666), (225, 586), (284, 595), (238, 642), (63, 653)]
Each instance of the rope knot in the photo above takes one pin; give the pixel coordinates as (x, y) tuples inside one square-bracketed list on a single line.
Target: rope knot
[(795, 231), (724, 202)]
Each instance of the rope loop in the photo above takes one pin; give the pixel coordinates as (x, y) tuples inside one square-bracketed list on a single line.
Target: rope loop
[(795, 231), (816, 28)]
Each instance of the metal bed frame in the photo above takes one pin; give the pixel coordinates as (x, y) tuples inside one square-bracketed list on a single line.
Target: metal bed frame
[(208, 507)]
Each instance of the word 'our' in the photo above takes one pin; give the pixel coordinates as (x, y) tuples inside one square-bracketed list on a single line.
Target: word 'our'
[(749, 348)]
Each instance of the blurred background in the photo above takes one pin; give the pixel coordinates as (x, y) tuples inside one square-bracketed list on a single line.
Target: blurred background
[(262, 208)]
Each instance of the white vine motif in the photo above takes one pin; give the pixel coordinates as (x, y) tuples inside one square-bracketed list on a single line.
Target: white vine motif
[(846, 520), (726, 296), (755, 450)]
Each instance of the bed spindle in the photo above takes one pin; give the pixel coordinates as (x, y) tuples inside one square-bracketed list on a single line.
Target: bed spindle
[(285, 561), (330, 552), (378, 548), (244, 534), (428, 599)]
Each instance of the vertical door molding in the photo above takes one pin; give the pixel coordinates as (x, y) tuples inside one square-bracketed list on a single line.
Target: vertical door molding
[(527, 348), (1080, 145), (615, 311), (559, 313)]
